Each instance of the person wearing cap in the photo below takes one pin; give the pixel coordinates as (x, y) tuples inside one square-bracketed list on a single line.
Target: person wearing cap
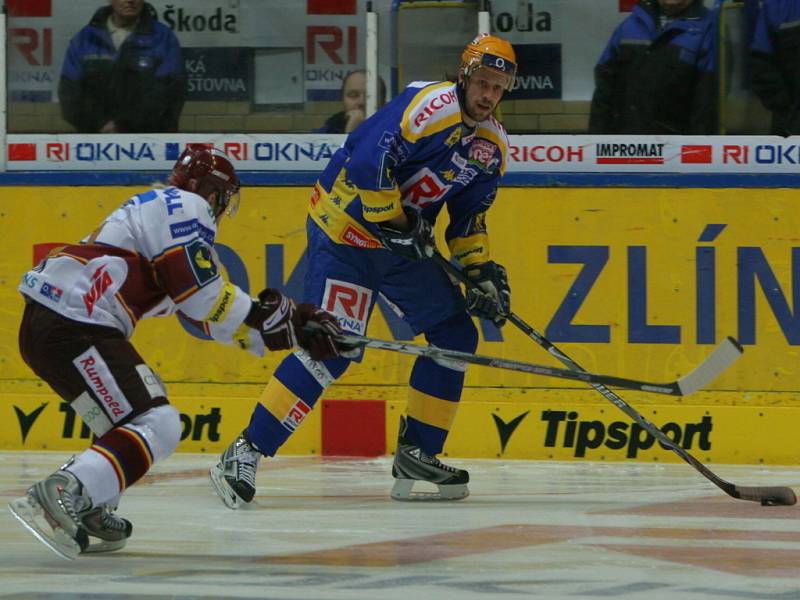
[(436, 145), (658, 73)]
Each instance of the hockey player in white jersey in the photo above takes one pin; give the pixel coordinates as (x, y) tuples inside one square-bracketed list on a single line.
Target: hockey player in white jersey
[(153, 256)]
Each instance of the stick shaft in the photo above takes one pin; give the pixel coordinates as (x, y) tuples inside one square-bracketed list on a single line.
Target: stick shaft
[(673, 388), (765, 495)]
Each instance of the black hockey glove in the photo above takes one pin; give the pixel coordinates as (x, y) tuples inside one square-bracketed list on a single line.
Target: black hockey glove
[(417, 243), (493, 300), (316, 339), (271, 315)]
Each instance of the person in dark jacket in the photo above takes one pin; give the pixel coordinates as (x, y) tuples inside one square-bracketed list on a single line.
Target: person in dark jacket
[(123, 73), (657, 74), (354, 100), (775, 63)]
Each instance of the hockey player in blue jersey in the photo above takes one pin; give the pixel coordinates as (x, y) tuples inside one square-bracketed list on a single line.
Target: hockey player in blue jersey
[(369, 232)]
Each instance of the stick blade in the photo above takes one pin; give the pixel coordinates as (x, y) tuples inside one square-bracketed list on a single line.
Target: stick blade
[(723, 356), (768, 496)]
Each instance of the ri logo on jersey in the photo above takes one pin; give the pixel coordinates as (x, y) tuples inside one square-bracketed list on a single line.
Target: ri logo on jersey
[(423, 188), (349, 302)]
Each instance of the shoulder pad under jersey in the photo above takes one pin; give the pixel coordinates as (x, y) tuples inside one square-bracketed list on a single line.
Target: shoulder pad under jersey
[(434, 108)]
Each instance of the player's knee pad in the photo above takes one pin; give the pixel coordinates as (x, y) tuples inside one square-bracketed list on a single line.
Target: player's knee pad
[(457, 332), (161, 429)]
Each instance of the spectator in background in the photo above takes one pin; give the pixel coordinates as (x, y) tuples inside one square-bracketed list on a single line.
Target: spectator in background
[(354, 99), (657, 74), (775, 63), (123, 73)]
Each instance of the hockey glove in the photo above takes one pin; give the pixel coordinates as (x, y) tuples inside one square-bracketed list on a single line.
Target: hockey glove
[(493, 300), (417, 243), (272, 317), (316, 339)]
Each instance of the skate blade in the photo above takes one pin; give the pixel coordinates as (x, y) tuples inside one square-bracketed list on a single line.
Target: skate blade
[(103, 546), (402, 491), (30, 514), (221, 487)]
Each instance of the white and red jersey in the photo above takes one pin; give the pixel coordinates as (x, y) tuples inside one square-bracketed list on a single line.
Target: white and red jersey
[(152, 256)]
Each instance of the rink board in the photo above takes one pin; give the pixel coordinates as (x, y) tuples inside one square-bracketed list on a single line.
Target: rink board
[(539, 429), (633, 282)]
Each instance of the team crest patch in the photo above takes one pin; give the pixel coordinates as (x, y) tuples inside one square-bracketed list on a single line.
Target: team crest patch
[(201, 261), (482, 154)]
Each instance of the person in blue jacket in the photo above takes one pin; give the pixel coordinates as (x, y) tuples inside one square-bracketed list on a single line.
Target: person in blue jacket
[(371, 213), (123, 73), (658, 73), (775, 63)]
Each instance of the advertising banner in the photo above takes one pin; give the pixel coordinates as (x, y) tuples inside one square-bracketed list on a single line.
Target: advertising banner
[(588, 431), (208, 423), (311, 152), (640, 283), (218, 74), (539, 75)]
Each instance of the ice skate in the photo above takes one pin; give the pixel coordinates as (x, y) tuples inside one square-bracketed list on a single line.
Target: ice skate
[(106, 530), (50, 512), (234, 476), (411, 465)]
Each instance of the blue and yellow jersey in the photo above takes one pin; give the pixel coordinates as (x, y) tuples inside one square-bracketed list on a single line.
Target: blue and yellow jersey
[(415, 152)]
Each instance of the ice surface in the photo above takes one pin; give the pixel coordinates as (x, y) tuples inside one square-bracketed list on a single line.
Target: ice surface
[(327, 529)]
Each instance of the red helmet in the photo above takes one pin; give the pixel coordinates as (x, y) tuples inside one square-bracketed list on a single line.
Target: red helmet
[(211, 171)]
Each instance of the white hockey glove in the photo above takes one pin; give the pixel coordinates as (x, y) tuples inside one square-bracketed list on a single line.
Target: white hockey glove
[(493, 300), (417, 243)]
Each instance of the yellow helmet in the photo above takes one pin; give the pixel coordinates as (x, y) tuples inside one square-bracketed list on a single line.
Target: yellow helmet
[(491, 52)]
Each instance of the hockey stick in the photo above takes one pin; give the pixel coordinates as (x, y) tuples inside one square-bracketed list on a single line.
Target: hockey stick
[(767, 496), (719, 360)]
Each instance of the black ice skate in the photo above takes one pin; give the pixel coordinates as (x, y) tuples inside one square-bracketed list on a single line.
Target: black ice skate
[(50, 512), (234, 476), (411, 464), (107, 531)]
